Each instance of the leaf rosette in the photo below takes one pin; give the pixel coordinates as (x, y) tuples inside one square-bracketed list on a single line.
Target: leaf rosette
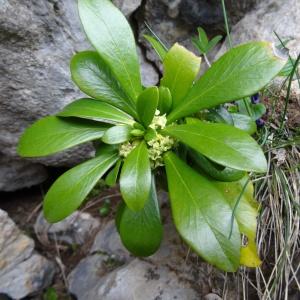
[(142, 130)]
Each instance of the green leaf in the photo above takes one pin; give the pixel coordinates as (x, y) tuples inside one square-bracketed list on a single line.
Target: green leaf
[(288, 68), (219, 115), (147, 104), (165, 100), (222, 143), (94, 77), (112, 176), (117, 134), (202, 216), (97, 111), (246, 213), (135, 180), (213, 170), (203, 39), (141, 232), (111, 35), (244, 123), (70, 189), (157, 46), (180, 70), (240, 72), (52, 134), (213, 42), (258, 110)]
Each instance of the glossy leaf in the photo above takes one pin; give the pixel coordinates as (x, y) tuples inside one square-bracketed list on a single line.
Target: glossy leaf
[(94, 77), (147, 104), (117, 134), (222, 143), (135, 180), (244, 123), (240, 72), (97, 111), (165, 100), (246, 213), (202, 216), (111, 35), (112, 176), (70, 190), (210, 168), (52, 134), (157, 46), (141, 232), (180, 70)]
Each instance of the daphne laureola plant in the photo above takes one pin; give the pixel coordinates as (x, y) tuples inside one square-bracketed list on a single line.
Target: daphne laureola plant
[(142, 132)]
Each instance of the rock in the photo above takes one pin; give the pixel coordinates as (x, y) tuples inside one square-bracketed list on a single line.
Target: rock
[(108, 241), (269, 16), (28, 277), (74, 230), (210, 13), (127, 6), (173, 270), (137, 280), (212, 296), (148, 72), (38, 39), (22, 271), (177, 20), (16, 173)]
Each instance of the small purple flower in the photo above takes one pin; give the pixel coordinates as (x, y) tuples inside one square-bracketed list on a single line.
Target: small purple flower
[(255, 98), (260, 123)]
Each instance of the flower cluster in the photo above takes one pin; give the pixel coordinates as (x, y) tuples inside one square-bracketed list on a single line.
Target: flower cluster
[(157, 145)]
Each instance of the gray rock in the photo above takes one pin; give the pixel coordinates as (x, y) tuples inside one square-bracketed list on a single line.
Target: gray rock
[(74, 230), (38, 39), (127, 6), (269, 16), (28, 277), (108, 241), (16, 173), (172, 271), (148, 72), (137, 280), (22, 271), (177, 20), (212, 296)]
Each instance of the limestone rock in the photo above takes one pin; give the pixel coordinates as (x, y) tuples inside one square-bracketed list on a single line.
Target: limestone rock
[(127, 6), (38, 39), (177, 20), (137, 280), (74, 230), (22, 271), (269, 16), (109, 272), (16, 173)]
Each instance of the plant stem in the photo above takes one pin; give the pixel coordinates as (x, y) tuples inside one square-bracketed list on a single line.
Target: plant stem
[(226, 23), (206, 60), (236, 205)]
